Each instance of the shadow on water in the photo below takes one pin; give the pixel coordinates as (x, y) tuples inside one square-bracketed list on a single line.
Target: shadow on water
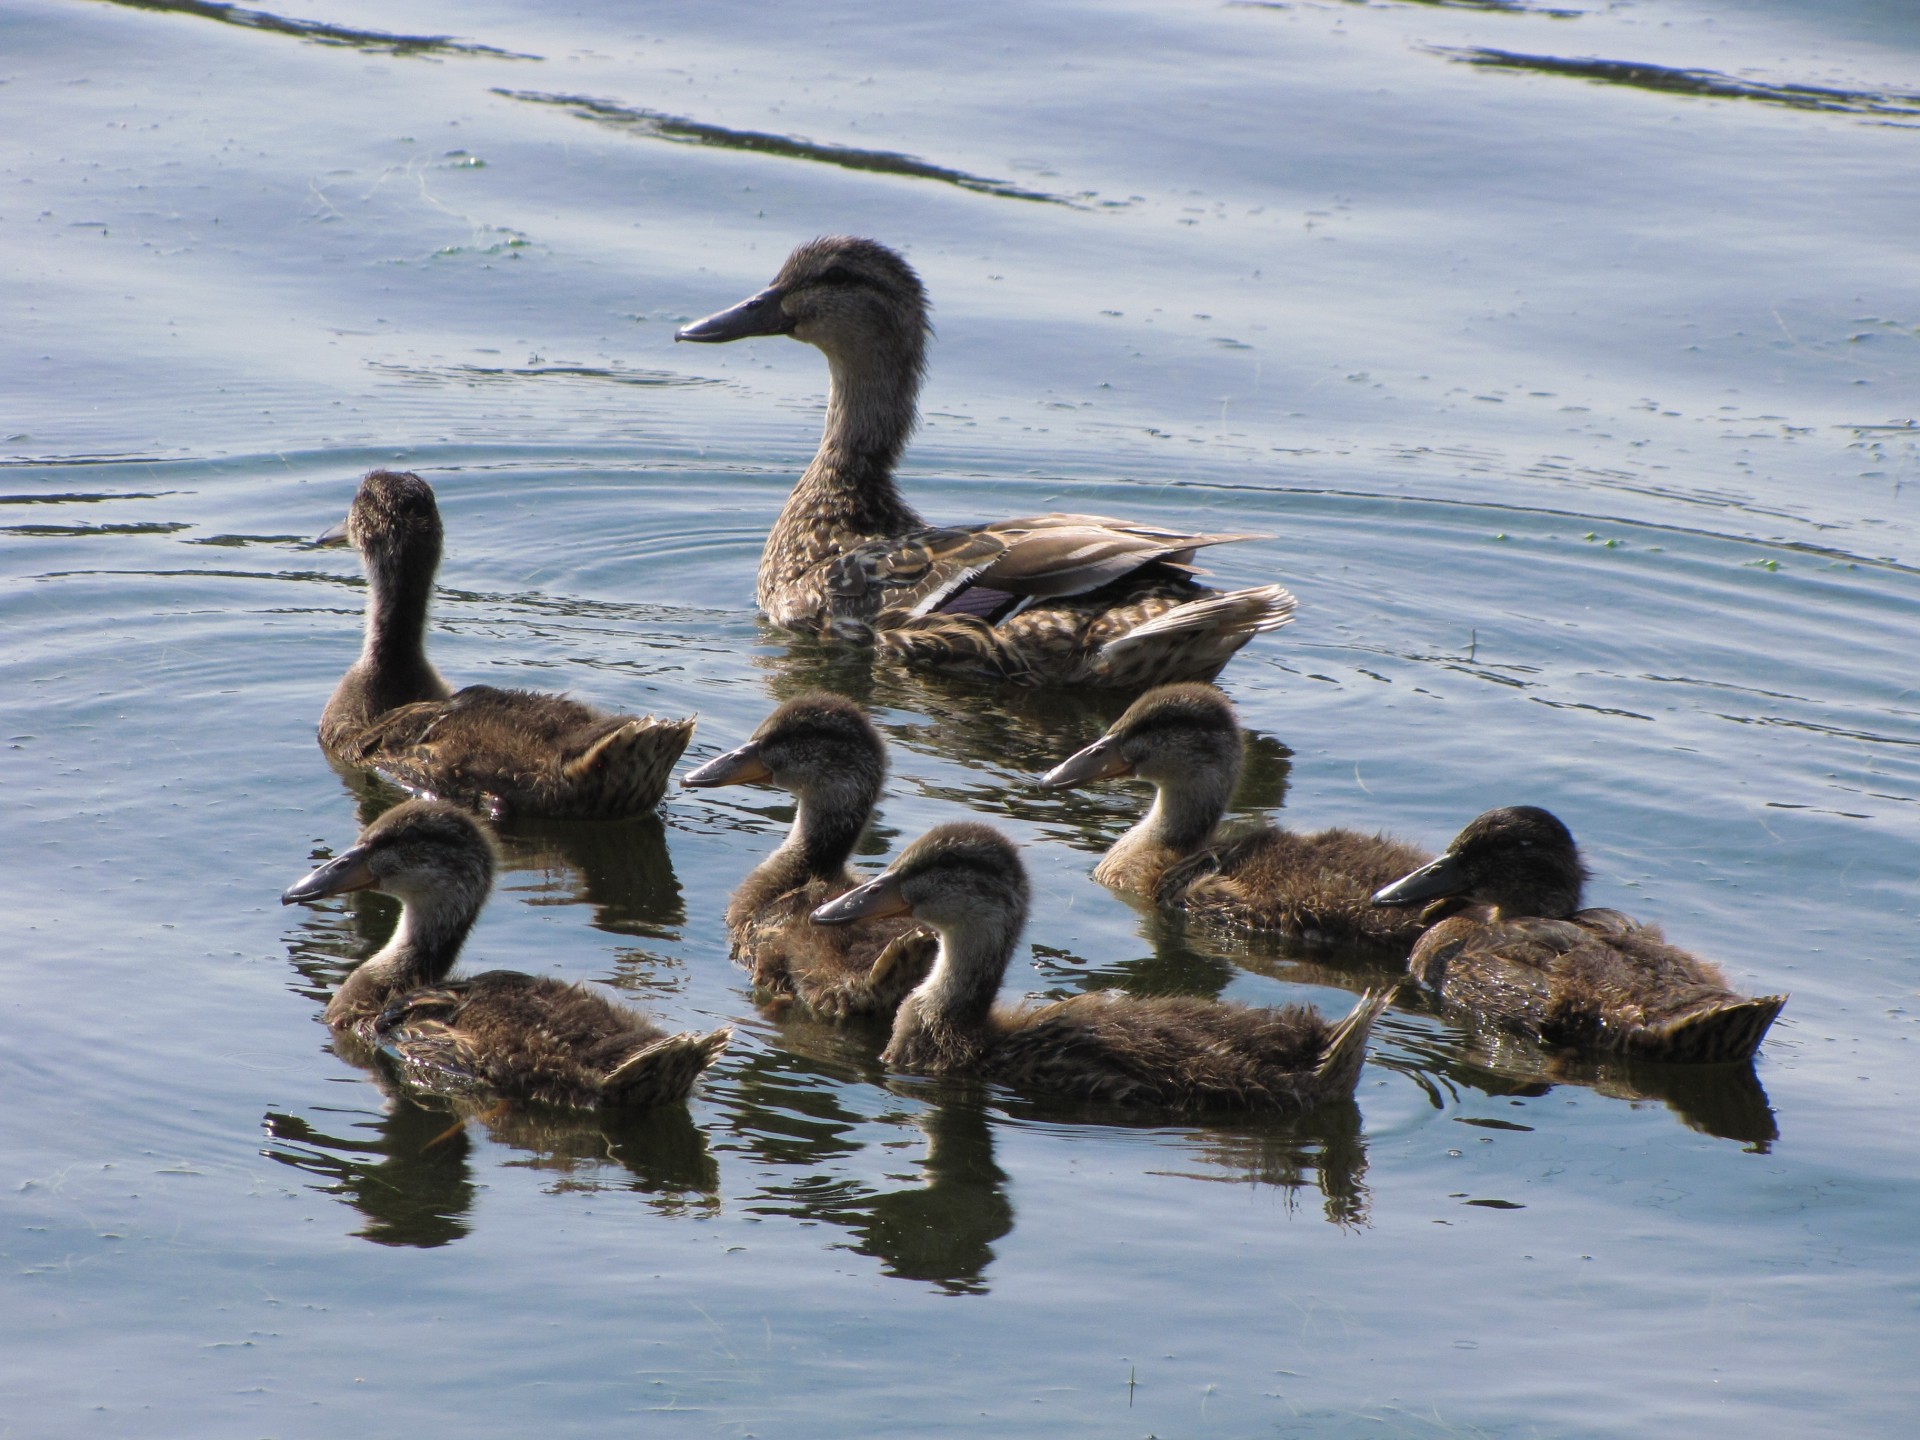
[(622, 868), (1724, 1101), (785, 1108), (408, 1171), (1709, 84), (375, 41), (403, 1171), (654, 125), (1323, 1148)]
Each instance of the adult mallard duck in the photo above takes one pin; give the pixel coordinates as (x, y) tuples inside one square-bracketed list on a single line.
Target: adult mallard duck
[(824, 751), (1509, 941), (1053, 599), (1180, 1052), (1317, 887), (505, 752), (517, 1036)]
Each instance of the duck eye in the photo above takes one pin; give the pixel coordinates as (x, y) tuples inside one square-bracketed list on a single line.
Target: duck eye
[(837, 275)]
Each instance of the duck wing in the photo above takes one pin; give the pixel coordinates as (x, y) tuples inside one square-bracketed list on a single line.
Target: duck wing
[(989, 570), (520, 752)]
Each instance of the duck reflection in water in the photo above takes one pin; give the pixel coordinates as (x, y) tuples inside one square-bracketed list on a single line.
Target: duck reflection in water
[(403, 1171), (1726, 1101), (408, 1171), (825, 1162), (1004, 737), (622, 868)]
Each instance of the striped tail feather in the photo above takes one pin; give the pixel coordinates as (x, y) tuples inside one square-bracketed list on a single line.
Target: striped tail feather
[(632, 762), (1240, 613), (1730, 1031), (1339, 1068), (663, 1073)]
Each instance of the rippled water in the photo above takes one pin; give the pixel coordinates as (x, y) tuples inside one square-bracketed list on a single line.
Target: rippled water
[(1568, 352)]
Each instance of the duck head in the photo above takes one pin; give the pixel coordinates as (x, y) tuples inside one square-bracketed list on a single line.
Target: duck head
[(962, 877), (427, 854), (1520, 860), (818, 747), (1175, 734), (393, 517), (840, 293)]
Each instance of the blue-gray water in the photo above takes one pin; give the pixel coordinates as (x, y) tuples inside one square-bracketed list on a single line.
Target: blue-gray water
[(1567, 350)]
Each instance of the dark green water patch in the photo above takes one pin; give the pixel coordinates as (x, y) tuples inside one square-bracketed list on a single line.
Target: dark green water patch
[(658, 126), (377, 41), (1710, 84)]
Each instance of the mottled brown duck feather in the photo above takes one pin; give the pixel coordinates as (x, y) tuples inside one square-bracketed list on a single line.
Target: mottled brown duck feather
[(1524, 954), (1051, 599), (1184, 1053), (505, 752), (518, 1036)]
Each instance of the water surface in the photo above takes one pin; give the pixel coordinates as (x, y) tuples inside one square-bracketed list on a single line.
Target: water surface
[(1568, 352)]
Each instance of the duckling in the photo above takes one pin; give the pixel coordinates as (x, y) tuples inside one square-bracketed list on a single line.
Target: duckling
[(1509, 941), (1185, 740), (504, 752), (520, 1036), (1051, 599), (1178, 1052), (827, 753)]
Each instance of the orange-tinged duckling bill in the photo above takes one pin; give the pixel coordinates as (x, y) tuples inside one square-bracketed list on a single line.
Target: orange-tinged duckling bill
[(504, 752), (824, 751), (1317, 887), (1515, 946), (967, 882), (1049, 599), (518, 1036)]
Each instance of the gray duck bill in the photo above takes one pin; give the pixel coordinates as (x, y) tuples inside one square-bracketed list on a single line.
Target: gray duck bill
[(1432, 881)]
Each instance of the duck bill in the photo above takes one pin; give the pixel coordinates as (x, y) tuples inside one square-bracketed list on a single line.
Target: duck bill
[(879, 896), (333, 537), (737, 767), (338, 876), (761, 314), (1101, 760), (1433, 881)]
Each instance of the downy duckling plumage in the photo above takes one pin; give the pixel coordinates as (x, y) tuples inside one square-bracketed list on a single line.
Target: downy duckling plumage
[(1316, 887), (824, 751), (504, 752), (517, 1036), (1174, 1052), (1510, 941), (1051, 599)]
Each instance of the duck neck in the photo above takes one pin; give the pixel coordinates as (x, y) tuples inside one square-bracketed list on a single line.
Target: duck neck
[(423, 949), (1183, 817), (397, 597), (847, 494), (958, 994), (827, 823)]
